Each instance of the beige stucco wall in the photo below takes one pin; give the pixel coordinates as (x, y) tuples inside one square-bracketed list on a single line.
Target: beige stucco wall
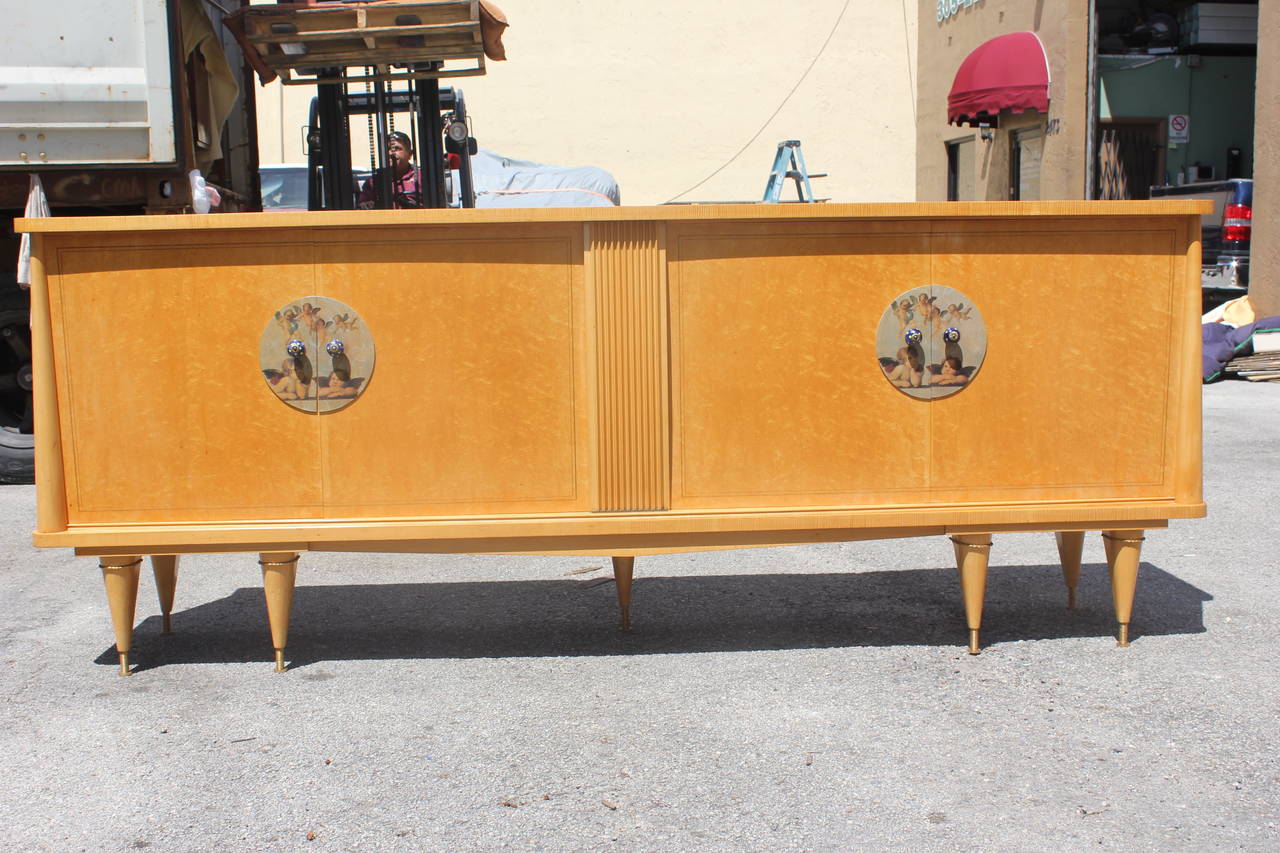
[(664, 93), (1062, 26), (1264, 254)]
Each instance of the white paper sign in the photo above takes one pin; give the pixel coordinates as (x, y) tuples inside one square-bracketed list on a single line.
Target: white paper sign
[(1179, 128)]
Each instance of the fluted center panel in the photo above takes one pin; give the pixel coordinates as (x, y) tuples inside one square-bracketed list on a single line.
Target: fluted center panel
[(627, 268)]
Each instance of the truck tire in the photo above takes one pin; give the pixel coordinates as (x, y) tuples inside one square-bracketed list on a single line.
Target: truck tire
[(17, 444)]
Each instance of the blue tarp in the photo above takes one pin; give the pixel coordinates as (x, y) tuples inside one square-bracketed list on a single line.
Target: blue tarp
[(506, 182)]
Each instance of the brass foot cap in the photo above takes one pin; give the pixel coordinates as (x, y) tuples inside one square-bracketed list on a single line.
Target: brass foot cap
[(279, 660), (974, 648), (124, 664)]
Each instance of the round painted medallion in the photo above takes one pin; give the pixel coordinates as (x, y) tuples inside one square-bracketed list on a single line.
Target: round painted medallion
[(931, 342), (316, 354)]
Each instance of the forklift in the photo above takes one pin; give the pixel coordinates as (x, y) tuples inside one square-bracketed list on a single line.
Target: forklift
[(397, 52), (437, 122)]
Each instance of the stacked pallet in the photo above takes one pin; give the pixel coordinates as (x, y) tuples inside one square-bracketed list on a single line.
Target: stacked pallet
[(1264, 364), (384, 39)]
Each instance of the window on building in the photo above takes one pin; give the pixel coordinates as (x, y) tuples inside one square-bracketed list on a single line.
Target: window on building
[(1028, 151), (961, 178)]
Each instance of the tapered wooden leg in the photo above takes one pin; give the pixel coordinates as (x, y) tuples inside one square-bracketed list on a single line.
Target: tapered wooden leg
[(120, 574), (279, 572), (972, 553), (165, 568), (622, 570), (1070, 547), (1124, 551)]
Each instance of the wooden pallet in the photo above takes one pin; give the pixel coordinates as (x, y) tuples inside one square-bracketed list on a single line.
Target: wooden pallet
[(367, 41)]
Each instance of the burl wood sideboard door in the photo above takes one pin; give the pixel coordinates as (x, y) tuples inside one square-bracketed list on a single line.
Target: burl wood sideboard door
[(779, 398), (479, 402), (165, 414), (1092, 366)]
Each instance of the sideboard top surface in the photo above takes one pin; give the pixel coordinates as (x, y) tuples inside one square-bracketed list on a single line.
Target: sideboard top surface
[(669, 213)]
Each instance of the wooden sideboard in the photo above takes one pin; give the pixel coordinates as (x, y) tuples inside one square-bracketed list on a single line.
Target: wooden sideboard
[(614, 381)]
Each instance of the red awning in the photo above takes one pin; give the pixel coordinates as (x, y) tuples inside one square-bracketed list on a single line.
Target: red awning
[(1009, 72)]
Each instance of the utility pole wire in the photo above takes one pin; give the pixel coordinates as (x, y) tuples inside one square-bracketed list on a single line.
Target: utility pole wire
[(817, 56)]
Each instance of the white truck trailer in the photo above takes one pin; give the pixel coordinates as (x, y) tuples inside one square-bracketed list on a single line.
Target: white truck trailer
[(111, 105)]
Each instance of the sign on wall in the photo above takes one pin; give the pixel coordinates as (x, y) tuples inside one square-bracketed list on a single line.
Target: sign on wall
[(949, 8), (1179, 128)]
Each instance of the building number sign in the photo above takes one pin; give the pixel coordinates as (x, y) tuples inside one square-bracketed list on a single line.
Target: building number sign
[(948, 8)]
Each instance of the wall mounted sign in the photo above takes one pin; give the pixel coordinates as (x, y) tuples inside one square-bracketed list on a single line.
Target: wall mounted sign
[(1179, 128), (931, 341), (951, 8), (316, 354)]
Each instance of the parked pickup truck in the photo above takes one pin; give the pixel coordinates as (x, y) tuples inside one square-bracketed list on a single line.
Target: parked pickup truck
[(1224, 235)]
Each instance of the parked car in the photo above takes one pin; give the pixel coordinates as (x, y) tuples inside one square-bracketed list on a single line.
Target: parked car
[(1224, 234), (284, 186), (499, 182)]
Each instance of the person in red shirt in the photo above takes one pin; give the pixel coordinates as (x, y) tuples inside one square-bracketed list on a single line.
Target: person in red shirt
[(406, 179)]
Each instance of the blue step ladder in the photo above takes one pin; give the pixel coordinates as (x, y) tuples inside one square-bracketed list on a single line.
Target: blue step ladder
[(788, 164)]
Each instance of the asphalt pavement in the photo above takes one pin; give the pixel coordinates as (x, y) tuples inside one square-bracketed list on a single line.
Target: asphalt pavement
[(794, 699)]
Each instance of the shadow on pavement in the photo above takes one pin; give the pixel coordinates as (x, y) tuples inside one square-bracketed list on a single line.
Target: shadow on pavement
[(568, 617)]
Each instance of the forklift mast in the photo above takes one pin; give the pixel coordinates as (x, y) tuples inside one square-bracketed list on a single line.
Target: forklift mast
[(398, 53), (441, 133)]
